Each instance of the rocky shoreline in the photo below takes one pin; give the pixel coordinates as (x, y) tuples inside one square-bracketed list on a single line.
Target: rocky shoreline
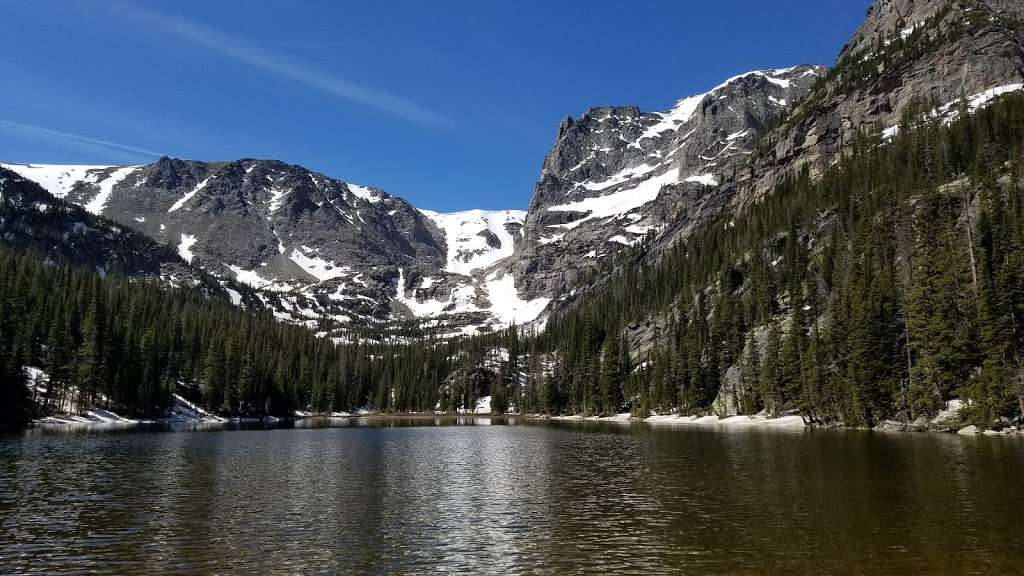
[(947, 421)]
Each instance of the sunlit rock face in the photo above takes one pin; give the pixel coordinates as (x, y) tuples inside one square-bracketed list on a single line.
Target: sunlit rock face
[(617, 175)]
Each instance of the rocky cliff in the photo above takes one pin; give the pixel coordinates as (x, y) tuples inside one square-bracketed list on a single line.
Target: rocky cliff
[(921, 55), (617, 175)]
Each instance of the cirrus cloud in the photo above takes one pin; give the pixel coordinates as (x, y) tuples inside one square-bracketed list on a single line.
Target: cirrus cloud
[(246, 52)]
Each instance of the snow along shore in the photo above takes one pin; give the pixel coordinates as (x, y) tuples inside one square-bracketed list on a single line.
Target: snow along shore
[(182, 411), (757, 421)]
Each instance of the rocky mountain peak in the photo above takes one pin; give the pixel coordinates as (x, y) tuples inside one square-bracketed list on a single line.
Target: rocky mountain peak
[(617, 174)]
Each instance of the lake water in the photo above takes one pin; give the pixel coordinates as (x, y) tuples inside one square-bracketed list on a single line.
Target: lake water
[(531, 497)]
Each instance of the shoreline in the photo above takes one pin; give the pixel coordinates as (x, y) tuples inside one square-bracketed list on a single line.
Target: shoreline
[(100, 419)]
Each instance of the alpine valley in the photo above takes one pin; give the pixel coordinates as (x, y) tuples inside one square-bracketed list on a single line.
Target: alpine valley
[(816, 245)]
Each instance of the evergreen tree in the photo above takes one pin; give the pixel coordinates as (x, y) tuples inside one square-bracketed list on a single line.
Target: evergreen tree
[(611, 377)]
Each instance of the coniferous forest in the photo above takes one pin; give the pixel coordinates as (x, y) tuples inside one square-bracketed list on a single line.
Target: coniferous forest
[(129, 345), (887, 286)]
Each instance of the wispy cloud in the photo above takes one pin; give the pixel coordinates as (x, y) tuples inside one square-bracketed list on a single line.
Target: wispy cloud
[(31, 129), (283, 65)]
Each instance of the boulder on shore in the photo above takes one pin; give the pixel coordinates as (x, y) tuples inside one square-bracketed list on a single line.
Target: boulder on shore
[(890, 426)]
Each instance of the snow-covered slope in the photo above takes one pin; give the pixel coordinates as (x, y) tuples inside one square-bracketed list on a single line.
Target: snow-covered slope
[(62, 180), (478, 238), (316, 248), (34, 220)]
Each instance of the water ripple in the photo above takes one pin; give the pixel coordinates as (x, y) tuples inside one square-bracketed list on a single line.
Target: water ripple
[(526, 499)]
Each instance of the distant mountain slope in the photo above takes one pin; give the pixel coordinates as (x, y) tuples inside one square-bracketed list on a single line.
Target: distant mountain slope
[(35, 220), (617, 174), (321, 251)]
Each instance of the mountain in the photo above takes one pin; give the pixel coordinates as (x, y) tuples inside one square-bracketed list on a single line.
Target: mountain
[(616, 174), (321, 252), (332, 254), (842, 244), (866, 270), (36, 221)]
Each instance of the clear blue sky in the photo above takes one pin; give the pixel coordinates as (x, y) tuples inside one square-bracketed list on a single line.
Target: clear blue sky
[(451, 105)]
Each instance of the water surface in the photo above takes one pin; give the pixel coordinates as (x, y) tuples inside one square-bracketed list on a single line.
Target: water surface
[(532, 497)]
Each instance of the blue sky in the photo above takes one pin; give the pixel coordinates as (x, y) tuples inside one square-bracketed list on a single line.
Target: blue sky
[(451, 105)]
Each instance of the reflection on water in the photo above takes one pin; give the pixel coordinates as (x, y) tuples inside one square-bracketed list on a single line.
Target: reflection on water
[(475, 495)]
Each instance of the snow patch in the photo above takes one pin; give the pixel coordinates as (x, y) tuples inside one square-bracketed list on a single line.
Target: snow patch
[(185, 247), (550, 239), (483, 405), (981, 99), (185, 411), (57, 179), (466, 236), (236, 298), (618, 203), (99, 202), (703, 179), (731, 422), (508, 307), (276, 199), (364, 193), (188, 196), (252, 278), (317, 267)]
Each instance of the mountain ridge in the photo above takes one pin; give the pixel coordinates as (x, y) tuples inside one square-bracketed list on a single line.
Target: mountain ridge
[(339, 253)]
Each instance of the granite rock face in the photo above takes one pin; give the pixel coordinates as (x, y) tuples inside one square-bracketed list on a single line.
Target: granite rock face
[(907, 53), (616, 175)]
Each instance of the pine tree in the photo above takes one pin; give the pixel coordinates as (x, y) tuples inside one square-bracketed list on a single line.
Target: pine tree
[(60, 344), (771, 388), (750, 376), (92, 361), (214, 376), (611, 377)]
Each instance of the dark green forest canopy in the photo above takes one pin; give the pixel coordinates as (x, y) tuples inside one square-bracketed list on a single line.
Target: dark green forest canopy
[(129, 344)]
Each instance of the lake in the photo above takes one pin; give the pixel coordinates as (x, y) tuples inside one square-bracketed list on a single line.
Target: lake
[(506, 496)]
